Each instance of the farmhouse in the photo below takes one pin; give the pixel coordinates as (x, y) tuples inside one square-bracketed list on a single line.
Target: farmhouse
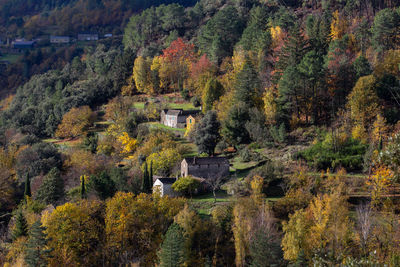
[(88, 37), (177, 118), (164, 186), (59, 39), (205, 167)]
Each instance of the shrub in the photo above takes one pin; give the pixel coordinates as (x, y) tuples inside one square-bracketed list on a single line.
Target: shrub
[(322, 155)]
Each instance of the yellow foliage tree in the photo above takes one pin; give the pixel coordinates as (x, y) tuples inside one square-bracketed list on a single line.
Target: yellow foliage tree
[(338, 26), (379, 183), (129, 144), (270, 107), (323, 226), (164, 160), (379, 130), (296, 230), (363, 102), (75, 231), (135, 225)]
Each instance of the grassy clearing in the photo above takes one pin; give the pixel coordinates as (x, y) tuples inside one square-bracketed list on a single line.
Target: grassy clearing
[(204, 204), (184, 106), (138, 105), (10, 57), (192, 148), (238, 164), (162, 126), (64, 143)]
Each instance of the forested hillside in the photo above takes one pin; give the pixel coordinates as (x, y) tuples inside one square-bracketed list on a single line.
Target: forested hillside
[(201, 133)]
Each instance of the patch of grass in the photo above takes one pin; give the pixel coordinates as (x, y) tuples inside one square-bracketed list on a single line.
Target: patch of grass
[(138, 105), (162, 126), (238, 164), (10, 57), (184, 106), (50, 140), (222, 196), (192, 148), (204, 203)]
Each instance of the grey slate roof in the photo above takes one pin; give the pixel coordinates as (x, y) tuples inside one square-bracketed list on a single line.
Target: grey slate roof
[(167, 180), (206, 160)]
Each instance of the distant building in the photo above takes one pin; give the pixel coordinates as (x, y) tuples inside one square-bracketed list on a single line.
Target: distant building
[(59, 39), (21, 44), (205, 167), (108, 35), (176, 118), (164, 186), (88, 37)]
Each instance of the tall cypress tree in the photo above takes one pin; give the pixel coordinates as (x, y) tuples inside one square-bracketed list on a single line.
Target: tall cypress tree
[(27, 192), (36, 253), (145, 180), (150, 177), (172, 249), (20, 225), (83, 188)]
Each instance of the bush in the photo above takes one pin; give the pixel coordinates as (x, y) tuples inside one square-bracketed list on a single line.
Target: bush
[(196, 101), (322, 155), (185, 94), (245, 154)]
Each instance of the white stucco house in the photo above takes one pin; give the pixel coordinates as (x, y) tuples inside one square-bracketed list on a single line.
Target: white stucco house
[(164, 186)]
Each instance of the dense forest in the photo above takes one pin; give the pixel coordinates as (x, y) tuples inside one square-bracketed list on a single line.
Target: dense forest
[(300, 100)]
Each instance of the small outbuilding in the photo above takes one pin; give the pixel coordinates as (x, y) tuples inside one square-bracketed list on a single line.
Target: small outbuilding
[(164, 186)]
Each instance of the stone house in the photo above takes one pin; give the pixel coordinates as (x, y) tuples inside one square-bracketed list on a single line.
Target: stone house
[(59, 39), (205, 167), (176, 118), (164, 186)]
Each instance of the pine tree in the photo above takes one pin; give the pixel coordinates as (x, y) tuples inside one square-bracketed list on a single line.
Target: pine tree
[(20, 225), (36, 253), (27, 192), (301, 260), (52, 188), (247, 84), (207, 133), (264, 250), (172, 249)]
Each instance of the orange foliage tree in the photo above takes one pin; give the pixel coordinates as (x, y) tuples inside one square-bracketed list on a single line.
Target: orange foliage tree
[(75, 122)]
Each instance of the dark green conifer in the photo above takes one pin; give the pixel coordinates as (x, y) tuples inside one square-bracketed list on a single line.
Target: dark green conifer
[(150, 177), (145, 180), (172, 249), (27, 191), (83, 189), (36, 253), (52, 188), (20, 225)]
